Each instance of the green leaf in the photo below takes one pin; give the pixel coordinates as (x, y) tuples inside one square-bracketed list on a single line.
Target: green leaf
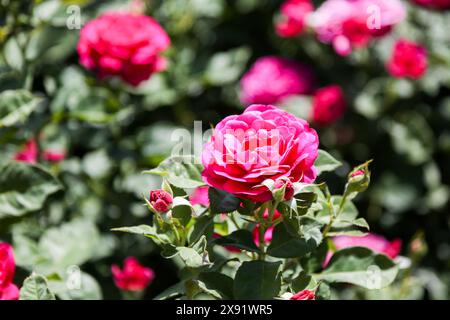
[(222, 201), (326, 162), (242, 239), (302, 282), (24, 188), (360, 266), (172, 292), (13, 54), (35, 287), (76, 285), (284, 245), (16, 106), (147, 231), (226, 67), (257, 280), (203, 226), (181, 171)]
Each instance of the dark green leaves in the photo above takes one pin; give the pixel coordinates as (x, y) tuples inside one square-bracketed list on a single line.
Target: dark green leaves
[(257, 280), (284, 245), (222, 201), (360, 266), (24, 188), (16, 106)]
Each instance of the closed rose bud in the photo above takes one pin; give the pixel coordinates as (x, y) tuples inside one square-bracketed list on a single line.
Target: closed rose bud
[(289, 188), (133, 276), (161, 200), (304, 295), (328, 105), (357, 173)]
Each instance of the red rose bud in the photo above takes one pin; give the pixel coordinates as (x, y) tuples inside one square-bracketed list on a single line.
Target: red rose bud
[(304, 295), (289, 188), (408, 59), (357, 173), (161, 200), (133, 277), (328, 105)]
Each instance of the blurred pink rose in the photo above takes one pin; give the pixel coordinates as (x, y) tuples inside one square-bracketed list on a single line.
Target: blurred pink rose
[(408, 59), (354, 23), (434, 4), (161, 200), (272, 79), (200, 196), (133, 277), (304, 295), (8, 290), (30, 154), (262, 143), (269, 232), (123, 44), (293, 15), (374, 242), (328, 105)]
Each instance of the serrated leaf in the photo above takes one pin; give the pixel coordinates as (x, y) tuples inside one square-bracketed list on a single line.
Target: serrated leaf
[(360, 266), (257, 280), (16, 106), (326, 162)]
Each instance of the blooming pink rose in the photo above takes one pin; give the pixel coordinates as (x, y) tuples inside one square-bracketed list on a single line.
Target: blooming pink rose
[(353, 23), (408, 59), (372, 241), (434, 4), (272, 79), (200, 196), (293, 15), (269, 232), (304, 295), (133, 277), (123, 44), (161, 200), (8, 290), (328, 105), (262, 143)]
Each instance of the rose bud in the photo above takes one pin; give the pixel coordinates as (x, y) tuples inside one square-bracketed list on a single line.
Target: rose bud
[(304, 295), (133, 277), (161, 200)]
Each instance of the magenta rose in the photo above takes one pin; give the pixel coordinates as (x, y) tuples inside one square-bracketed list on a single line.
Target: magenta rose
[(123, 44), (434, 4), (133, 276), (262, 143), (304, 295), (161, 200), (328, 105), (374, 242), (271, 79), (293, 16)]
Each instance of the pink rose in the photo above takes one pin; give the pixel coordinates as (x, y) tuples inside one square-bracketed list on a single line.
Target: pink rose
[(268, 234), (123, 44), (434, 4), (372, 241), (133, 277), (262, 143), (328, 105), (353, 23), (272, 79), (293, 15), (200, 196), (408, 59), (304, 295), (161, 200), (8, 290)]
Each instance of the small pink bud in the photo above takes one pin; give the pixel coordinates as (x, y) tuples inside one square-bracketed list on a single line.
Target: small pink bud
[(357, 173), (304, 295), (161, 200)]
